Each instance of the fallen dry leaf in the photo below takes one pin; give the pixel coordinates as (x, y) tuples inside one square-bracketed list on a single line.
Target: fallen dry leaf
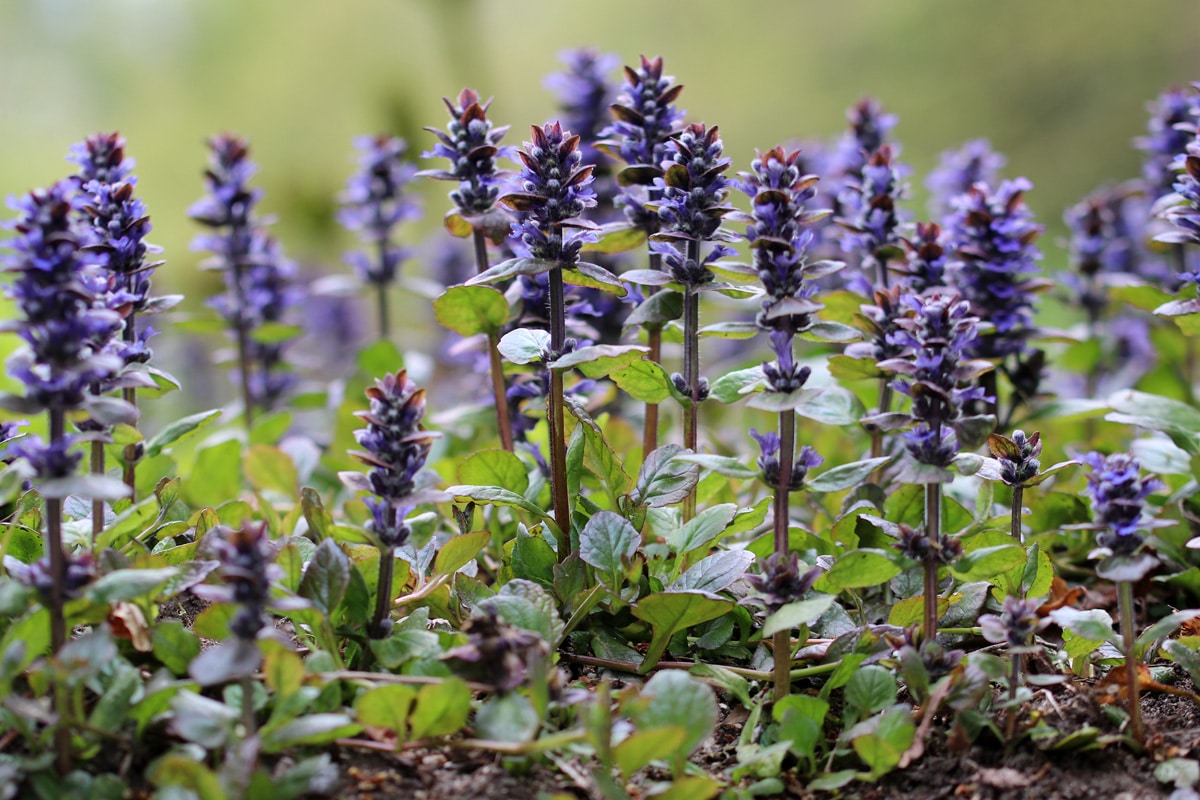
[(128, 622)]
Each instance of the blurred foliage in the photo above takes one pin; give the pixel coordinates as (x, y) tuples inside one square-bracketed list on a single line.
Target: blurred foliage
[(1059, 88)]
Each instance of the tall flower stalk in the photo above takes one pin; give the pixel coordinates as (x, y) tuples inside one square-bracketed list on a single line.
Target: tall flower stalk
[(375, 203), (779, 240), (65, 331), (871, 218), (555, 191), (994, 266), (395, 446), (472, 143), (939, 380), (694, 193), (119, 225), (229, 211), (1118, 495), (645, 118)]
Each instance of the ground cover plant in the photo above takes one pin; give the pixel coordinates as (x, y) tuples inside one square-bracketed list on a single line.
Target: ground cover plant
[(874, 513)]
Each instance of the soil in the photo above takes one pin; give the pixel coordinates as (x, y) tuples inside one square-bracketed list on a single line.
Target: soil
[(985, 771)]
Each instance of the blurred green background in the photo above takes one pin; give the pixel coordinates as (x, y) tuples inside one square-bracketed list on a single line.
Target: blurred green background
[(1058, 87)]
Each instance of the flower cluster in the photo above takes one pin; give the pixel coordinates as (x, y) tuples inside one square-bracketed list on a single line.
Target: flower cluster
[(1118, 493), (1173, 119), (781, 581), (919, 546), (395, 447), (555, 190), (879, 323), (585, 95), (991, 235), (78, 571), (959, 170), (1186, 215), (645, 115), (869, 208), (258, 279), (375, 202), (694, 187), (1018, 456), (496, 653), (768, 462), (472, 143), (937, 377), (65, 330), (1014, 626), (925, 265), (868, 131), (245, 555)]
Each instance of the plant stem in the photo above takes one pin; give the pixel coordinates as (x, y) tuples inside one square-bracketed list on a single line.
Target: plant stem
[(654, 342), (1018, 533), (97, 468), (782, 651), (1014, 676), (248, 706), (691, 369), (383, 594), (1125, 606), (885, 404), (58, 622), (499, 390), (558, 436), (129, 395), (385, 323), (933, 532), (883, 272), (243, 344)]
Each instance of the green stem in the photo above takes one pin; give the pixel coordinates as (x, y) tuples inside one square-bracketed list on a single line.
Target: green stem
[(381, 299), (1128, 628), (787, 450), (1018, 498), (654, 341), (248, 706), (558, 437), (383, 594), (243, 346), (129, 395), (933, 529), (1014, 676), (58, 622), (97, 468), (885, 405), (499, 390), (691, 370)]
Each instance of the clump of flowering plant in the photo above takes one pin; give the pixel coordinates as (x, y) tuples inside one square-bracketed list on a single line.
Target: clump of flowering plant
[(375, 203), (395, 446)]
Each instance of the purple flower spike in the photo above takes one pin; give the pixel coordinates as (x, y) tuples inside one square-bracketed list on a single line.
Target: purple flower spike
[(472, 143), (375, 203), (65, 331), (1186, 215), (585, 95), (991, 235), (645, 116), (555, 189), (1173, 117), (959, 170), (1118, 493), (869, 208), (768, 462)]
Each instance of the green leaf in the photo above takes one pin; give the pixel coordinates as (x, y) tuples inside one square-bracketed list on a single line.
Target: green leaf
[(409, 639), (793, 615), (127, 584), (507, 717), (533, 559), (618, 238), (208, 723), (319, 520), (593, 276), (180, 429), (657, 310), (722, 465), (471, 310), (988, 562), (608, 542), (887, 739), (174, 645), (528, 606), (496, 496), (326, 577), (269, 468), (801, 721), (643, 746), (525, 345), (386, 707), (1185, 657), (512, 268), (283, 671), (458, 551), (676, 698), (644, 381), (191, 777), (702, 529), (857, 569), (309, 730), (715, 572), (845, 476), (1094, 625), (216, 476), (848, 368), (671, 612), (826, 331), (730, 387), (1181, 422), (441, 709), (600, 360), (663, 481), (870, 690)]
